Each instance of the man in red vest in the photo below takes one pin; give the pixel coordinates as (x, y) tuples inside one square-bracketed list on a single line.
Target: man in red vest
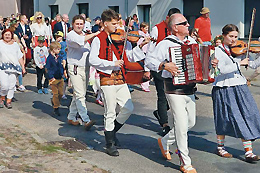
[(105, 56), (159, 32)]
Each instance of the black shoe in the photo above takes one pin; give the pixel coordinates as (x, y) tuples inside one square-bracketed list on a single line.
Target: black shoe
[(196, 97), (110, 143), (165, 130), (56, 111), (156, 114)]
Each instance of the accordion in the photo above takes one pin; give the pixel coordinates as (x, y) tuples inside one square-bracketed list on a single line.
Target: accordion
[(194, 62)]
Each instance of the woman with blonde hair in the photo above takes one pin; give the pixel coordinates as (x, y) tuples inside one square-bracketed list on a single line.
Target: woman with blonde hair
[(39, 28)]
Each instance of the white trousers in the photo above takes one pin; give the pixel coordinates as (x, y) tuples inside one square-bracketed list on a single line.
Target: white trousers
[(113, 95), (79, 83), (7, 84), (183, 111)]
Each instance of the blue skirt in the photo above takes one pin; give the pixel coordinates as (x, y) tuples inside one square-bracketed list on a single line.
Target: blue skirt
[(235, 112)]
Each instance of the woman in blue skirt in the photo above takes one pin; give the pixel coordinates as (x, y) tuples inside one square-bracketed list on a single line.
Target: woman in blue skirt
[(235, 111)]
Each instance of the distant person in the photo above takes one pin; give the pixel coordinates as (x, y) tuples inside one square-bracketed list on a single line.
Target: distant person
[(194, 34), (144, 28), (57, 19), (40, 56), (203, 26), (96, 27), (63, 26), (87, 26), (136, 25), (39, 28), (23, 31), (47, 22)]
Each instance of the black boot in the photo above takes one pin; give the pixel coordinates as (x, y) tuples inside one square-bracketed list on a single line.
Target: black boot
[(116, 128), (110, 143)]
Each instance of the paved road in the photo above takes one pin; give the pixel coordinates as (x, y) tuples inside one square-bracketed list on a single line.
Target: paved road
[(139, 152)]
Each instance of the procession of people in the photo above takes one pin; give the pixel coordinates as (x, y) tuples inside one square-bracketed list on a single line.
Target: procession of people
[(64, 54)]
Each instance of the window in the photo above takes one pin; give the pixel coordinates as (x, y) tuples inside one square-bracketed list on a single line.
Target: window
[(144, 12), (191, 10), (84, 8), (54, 11), (115, 8)]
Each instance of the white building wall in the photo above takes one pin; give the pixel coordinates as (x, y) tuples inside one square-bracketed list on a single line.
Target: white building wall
[(222, 11)]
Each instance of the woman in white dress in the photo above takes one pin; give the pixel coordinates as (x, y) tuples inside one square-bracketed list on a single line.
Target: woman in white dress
[(11, 65)]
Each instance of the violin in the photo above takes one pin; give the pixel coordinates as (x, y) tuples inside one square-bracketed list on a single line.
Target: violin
[(132, 36), (240, 47)]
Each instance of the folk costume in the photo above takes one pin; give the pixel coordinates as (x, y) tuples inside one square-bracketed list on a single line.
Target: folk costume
[(180, 98), (235, 110), (114, 89)]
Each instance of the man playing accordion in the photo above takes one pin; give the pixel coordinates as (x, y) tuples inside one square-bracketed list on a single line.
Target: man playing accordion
[(180, 97)]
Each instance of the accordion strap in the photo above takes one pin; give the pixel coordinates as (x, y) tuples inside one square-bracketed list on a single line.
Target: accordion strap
[(174, 41)]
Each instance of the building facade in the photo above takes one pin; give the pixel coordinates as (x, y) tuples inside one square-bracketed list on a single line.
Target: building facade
[(222, 12)]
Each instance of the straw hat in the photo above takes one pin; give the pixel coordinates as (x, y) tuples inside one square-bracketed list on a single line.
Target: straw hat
[(204, 10)]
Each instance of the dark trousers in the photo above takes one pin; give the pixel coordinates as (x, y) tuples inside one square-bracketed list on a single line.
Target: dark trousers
[(162, 104), (40, 73)]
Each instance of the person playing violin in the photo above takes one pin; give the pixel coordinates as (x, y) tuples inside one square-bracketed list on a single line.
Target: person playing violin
[(235, 111), (105, 56)]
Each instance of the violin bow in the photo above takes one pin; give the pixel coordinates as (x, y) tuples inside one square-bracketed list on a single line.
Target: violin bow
[(127, 31), (250, 33)]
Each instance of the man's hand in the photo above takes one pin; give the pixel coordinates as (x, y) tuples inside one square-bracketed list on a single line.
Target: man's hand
[(51, 81), (214, 62), (172, 68), (119, 63), (25, 36), (147, 75)]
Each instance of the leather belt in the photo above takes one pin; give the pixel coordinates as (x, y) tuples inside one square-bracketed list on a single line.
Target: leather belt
[(116, 78)]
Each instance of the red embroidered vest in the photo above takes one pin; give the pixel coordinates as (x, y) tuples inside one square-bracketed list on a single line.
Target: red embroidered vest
[(162, 31)]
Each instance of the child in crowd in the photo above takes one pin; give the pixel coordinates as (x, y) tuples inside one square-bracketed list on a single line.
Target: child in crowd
[(63, 55), (55, 73), (40, 55), (144, 28)]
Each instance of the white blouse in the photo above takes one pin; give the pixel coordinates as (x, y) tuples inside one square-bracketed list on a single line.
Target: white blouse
[(9, 57), (229, 68), (39, 30)]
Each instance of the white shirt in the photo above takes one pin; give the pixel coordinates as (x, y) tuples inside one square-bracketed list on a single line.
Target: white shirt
[(23, 28), (39, 30), (161, 53), (105, 66), (65, 29), (78, 50), (10, 54)]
